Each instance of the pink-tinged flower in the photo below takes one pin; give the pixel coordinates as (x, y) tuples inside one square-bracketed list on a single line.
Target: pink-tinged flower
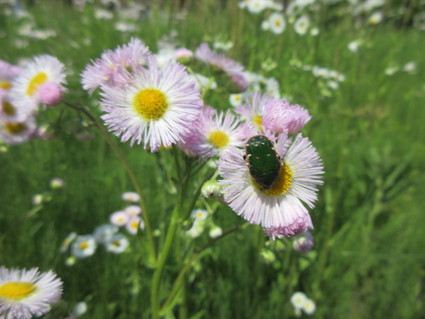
[(304, 243), (157, 107), (119, 218), (133, 210), (27, 293), (50, 93), (213, 133), (42, 69), (7, 73), (134, 224), (252, 108), (278, 209), (114, 65), (183, 55), (220, 61), (16, 132), (130, 197), (280, 116)]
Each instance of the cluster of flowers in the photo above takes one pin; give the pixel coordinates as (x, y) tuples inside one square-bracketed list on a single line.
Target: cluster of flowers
[(160, 106), (27, 293), (276, 21), (23, 91), (300, 302), (328, 80), (201, 221), (409, 67), (83, 246)]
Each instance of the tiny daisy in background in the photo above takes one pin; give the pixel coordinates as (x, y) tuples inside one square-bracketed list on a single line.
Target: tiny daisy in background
[(104, 233), (133, 210), (117, 244), (84, 246), (235, 99), (279, 208), (157, 107), (298, 300), (16, 132), (199, 214), (131, 197), (376, 17), (67, 242), (304, 242), (134, 224), (7, 73), (119, 218), (27, 293), (301, 25), (57, 183), (40, 81), (215, 231), (276, 23)]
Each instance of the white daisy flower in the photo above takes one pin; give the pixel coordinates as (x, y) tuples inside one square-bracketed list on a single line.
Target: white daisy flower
[(278, 208), (131, 197), (309, 307), (298, 299), (27, 293), (133, 210), (104, 233), (199, 214), (277, 23), (215, 232), (119, 218), (157, 107), (134, 224), (117, 244), (41, 71), (84, 246), (67, 242), (301, 25)]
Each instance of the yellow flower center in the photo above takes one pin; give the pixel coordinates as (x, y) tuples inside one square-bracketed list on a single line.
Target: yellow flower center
[(151, 104), (8, 108), (16, 290), (116, 243), (35, 82), (219, 139), (258, 120), (5, 85), (15, 127), (282, 183), (135, 224), (277, 23), (84, 245)]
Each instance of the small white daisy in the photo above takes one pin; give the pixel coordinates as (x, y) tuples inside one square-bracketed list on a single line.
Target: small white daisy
[(309, 307), (277, 23), (301, 25), (42, 70), (117, 244), (199, 214), (119, 218), (84, 246), (298, 300), (27, 293), (67, 242), (133, 210), (131, 197), (104, 233), (134, 224)]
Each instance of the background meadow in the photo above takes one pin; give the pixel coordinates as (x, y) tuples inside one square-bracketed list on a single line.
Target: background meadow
[(368, 258)]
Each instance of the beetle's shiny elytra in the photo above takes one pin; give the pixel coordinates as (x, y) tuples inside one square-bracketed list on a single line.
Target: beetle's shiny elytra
[(263, 161)]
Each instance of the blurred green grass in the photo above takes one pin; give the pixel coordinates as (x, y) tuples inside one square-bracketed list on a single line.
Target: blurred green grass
[(369, 225)]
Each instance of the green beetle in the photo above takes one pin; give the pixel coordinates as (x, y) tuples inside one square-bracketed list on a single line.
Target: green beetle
[(263, 161)]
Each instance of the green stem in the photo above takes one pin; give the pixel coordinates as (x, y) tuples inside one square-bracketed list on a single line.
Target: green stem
[(169, 239), (128, 168), (180, 278)]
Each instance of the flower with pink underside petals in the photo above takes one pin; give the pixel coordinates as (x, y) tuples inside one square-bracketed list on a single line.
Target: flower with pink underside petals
[(230, 67), (280, 116), (212, 134), (280, 209), (7, 73), (114, 65), (252, 108), (50, 93)]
